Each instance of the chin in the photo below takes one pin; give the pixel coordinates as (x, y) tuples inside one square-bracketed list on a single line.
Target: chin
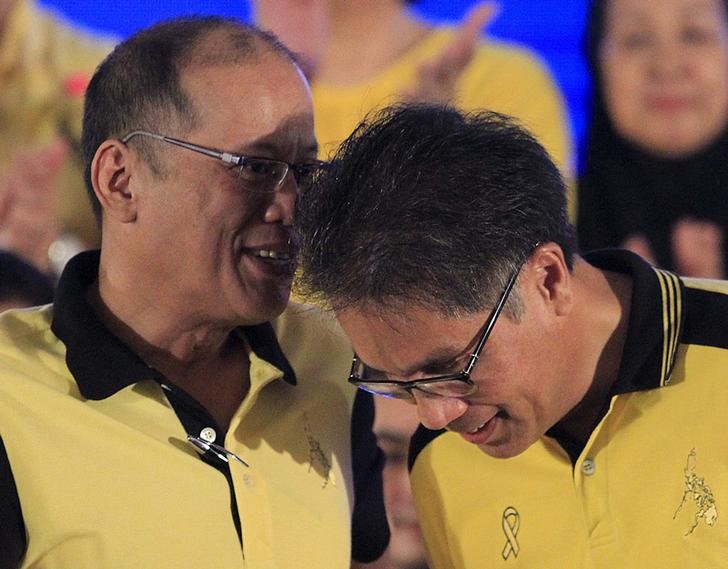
[(674, 144), (409, 560), (259, 308), (505, 447)]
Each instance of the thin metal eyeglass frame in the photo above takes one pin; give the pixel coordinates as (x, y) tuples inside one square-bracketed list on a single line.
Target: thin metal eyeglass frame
[(463, 376), (230, 158)]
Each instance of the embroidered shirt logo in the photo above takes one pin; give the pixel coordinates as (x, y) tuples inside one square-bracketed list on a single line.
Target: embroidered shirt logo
[(511, 521), (698, 492), (316, 457)]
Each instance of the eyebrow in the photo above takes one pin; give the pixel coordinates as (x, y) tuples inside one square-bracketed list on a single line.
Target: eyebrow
[(637, 16), (271, 148), (431, 361), (440, 358)]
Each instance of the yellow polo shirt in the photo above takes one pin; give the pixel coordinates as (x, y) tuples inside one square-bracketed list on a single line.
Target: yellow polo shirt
[(97, 445), (649, 488)]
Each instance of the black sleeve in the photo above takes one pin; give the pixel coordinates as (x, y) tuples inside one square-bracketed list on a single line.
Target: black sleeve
[(12, 528), (370, 531)]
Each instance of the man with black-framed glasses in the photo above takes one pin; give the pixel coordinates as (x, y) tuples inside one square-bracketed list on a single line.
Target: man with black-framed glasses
[(567, 401), (170, 409)]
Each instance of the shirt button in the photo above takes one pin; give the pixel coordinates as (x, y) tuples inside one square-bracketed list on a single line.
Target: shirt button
[(208, 434), (588, 467)]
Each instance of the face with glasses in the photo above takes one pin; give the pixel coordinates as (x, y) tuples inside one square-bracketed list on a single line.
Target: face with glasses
[(490, 377), (216, 214)]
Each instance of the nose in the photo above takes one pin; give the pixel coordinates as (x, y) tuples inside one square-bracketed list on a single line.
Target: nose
[(669, 61), (437, 412), (282, 206)]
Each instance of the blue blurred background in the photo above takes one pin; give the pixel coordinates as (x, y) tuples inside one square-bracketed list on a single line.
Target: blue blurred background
[(551, 27)]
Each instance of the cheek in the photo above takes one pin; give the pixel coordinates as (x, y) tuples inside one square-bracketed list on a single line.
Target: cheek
[(622, 80), (715, 88)]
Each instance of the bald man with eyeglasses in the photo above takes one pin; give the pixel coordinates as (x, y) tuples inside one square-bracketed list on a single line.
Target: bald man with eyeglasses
[(169, 409)]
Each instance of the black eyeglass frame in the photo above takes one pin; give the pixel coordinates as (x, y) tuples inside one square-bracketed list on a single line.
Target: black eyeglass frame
[(238, 160), (464, 376)]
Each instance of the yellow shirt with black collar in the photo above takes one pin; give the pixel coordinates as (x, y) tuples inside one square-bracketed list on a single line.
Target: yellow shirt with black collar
[(649, 489), (97, 471)]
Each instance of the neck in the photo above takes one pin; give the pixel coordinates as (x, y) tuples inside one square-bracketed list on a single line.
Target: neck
[(162, 328), (365, 38), (604, 311), (208, 361)]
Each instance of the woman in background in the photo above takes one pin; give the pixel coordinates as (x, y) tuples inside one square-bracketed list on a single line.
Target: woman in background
[(656, 164)]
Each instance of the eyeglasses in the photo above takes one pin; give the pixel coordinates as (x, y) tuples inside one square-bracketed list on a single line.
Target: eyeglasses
[(256, 174), (448, 385)]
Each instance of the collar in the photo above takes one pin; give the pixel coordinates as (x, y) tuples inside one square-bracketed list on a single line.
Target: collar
[(656, 320), (100, 363)]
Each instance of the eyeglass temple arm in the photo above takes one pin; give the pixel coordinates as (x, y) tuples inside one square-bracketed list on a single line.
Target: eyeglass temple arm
[(491, 323), (224, 156)]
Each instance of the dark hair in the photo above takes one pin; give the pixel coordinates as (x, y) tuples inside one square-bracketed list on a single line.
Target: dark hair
[(429, 206), (22, 283), (138, 85)]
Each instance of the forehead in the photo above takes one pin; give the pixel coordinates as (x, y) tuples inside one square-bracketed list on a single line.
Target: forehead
[(399, 342), (640, 11), (262, 96)]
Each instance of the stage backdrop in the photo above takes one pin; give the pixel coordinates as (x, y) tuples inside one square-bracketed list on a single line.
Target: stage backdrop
[(551, 27)]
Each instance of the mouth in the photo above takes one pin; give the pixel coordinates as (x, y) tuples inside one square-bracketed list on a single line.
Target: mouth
[(478, 428), (272, 254), (481, 432), (278, 260), (669, 103)]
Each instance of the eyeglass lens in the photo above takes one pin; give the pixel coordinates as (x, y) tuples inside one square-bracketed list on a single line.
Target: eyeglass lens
[(267, 175)]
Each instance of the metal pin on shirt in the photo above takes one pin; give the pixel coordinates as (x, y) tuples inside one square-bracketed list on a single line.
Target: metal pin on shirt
[(202, 446)]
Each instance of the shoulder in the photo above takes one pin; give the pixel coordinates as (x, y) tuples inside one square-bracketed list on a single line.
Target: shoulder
[(310, 327), (30, 351), (504, 67), (512, 60), (706, 312), (25, 329), (314, 343)]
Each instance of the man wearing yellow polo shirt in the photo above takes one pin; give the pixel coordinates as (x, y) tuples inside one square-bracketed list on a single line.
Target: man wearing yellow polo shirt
[(574, 404), (162, 413)]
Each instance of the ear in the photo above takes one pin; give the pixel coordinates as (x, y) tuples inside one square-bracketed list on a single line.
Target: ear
[(552, 277), (111, 174)]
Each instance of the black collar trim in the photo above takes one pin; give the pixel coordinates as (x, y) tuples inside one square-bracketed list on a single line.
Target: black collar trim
[(100, 363), (656, 321)]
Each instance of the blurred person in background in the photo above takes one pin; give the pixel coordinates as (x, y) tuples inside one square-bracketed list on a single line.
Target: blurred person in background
[(45, 65), (394, 424), (362, 55), (21, 284), (656, 174)]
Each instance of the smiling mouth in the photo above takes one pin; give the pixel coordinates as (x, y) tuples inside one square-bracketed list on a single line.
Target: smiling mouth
[(270, 254), (485, 424), (476, 429)]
